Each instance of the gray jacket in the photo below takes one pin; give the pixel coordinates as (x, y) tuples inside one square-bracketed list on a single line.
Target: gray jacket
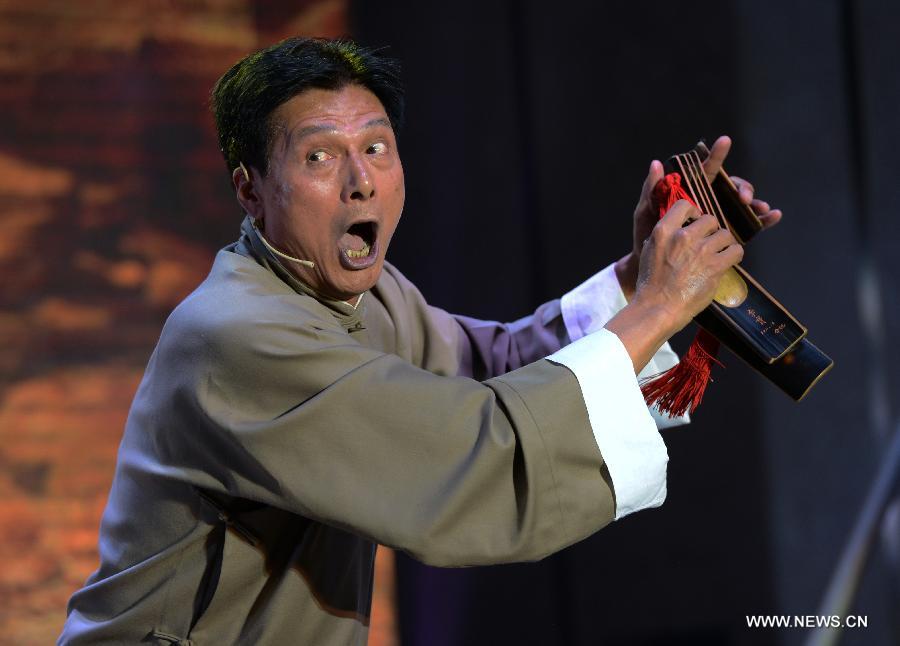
[(277, 437)]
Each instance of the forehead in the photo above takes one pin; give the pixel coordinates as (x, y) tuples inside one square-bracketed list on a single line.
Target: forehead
[(346, 109)]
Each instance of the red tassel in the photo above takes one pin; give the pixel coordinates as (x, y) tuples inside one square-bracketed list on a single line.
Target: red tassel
[(680, 388), (669, 190)]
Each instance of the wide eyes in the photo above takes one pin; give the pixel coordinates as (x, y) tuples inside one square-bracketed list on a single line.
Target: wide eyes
[(319, 156)]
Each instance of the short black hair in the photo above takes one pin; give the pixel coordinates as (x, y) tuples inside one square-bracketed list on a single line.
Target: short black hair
[(247, 95)]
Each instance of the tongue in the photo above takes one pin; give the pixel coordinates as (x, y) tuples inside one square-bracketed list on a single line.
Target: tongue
[(351, 241)]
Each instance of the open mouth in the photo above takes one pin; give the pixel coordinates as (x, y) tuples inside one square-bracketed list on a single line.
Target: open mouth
[(359, 245)]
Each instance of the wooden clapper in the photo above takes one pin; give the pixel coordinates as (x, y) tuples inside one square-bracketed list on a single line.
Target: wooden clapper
[(743, 316)]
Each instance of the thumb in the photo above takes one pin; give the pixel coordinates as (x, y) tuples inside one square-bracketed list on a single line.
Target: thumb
[(654, 174), (717, 155)]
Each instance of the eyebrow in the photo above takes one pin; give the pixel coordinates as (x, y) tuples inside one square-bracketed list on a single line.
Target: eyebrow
[(300, 133)]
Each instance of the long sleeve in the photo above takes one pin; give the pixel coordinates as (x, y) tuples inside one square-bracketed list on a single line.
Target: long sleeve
[(588, 307), (633, 450), (277, 405), (274, 437), (454, 345), (625, 434)]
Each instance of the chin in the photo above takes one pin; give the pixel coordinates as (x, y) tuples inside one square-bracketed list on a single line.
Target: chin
[(357, 282)]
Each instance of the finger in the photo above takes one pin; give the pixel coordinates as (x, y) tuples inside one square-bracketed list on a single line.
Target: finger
[(719, 240), (717, 155), (745, 189), (760, 207), (654, 174), (676, 216), (730, 256), (703, 226), (771, 218)]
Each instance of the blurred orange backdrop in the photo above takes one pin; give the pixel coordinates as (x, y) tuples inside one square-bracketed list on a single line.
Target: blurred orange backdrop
[(114, 200)]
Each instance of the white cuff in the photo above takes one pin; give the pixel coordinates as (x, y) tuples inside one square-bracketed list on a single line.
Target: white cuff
[(588, 307), (625, 431)]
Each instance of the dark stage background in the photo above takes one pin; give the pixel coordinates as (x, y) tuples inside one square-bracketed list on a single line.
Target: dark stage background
[(530, 129), (531, 125)]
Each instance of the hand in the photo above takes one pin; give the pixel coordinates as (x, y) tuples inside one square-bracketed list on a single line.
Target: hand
[(646, 213), (717, 154), (680, 268), (681, 265)]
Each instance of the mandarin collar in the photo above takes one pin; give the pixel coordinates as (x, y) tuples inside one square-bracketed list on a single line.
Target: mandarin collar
[(251, 246)]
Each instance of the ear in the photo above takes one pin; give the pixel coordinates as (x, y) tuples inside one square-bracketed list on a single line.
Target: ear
[(245, 180)]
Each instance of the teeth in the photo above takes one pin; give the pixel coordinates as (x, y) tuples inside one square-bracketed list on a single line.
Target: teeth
[(362, 253)]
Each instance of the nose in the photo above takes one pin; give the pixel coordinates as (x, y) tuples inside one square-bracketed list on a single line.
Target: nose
[(358, 181)]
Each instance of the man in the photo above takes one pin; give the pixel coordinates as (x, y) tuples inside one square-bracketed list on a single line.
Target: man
[(305, 403)]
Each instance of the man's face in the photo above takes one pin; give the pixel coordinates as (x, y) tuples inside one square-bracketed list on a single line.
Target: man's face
[(334, 191)]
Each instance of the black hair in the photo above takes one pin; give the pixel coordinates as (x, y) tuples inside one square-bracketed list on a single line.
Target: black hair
[(247, 95)]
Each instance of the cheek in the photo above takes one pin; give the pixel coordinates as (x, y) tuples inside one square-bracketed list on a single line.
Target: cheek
[(319, 186), (284, 193), (395, 208), (399, 194), (401, 189), (304, 203)]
